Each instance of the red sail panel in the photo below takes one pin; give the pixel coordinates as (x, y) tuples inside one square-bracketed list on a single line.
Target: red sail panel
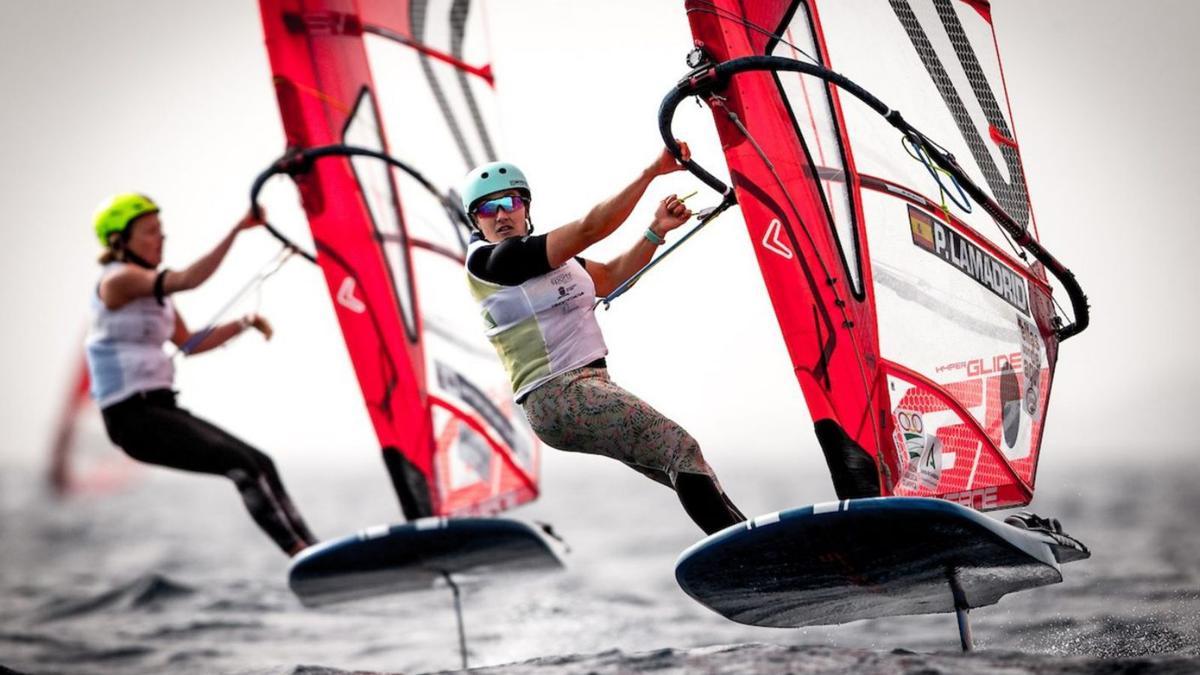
[(60, 474), (924, 347), (386, 261), (77, 464)]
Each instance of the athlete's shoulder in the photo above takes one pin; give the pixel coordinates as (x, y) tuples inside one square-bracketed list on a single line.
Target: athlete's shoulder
[(510, 262)]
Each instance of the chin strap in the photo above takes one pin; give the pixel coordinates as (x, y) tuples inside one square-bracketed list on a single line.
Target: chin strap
[(125, 255)]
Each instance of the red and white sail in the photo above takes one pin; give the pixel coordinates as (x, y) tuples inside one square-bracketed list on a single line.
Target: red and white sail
[(923, 339), (410, 79)]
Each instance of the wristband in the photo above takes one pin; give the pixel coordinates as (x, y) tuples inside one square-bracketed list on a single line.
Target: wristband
[(654, 238)]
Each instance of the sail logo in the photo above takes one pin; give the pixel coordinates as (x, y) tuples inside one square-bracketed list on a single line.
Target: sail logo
[(347, 299), (911, 433), (921, 452), (773, 243), (323, 23), (1031, 357), (959, 251), (979, 498)]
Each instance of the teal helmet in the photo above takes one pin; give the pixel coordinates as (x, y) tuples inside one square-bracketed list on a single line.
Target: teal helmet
[(493, 177), (117, 212)]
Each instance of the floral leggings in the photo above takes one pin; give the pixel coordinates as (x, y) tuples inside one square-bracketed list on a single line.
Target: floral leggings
[(585, 411)]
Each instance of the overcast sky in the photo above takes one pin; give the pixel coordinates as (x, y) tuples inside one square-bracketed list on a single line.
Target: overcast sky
[(174, 99)]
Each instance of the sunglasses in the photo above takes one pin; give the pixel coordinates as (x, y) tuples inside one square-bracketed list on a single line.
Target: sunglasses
[(492, 206)]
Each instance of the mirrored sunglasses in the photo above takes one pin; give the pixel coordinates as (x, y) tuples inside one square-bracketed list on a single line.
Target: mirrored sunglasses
[(492, 206)]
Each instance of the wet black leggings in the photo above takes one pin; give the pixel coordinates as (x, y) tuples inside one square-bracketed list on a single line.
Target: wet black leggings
[(150, 428)]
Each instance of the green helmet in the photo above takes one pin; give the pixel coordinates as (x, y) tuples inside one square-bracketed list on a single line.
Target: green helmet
[(116, 213), (494, 177)]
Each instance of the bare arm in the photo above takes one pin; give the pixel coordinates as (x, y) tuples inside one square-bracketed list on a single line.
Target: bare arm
[(131, 282), (671, 213), (571, 239), (220, 334)]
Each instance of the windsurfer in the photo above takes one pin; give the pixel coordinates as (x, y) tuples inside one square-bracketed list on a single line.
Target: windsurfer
[(131, 375), (537, 298)]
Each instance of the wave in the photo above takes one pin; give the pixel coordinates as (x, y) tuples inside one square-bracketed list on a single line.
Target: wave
[(147, 591)]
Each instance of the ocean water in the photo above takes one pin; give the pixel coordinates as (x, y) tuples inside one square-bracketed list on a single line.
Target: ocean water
[(167, 574)]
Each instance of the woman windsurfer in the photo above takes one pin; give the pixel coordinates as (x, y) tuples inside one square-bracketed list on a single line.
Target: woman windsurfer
[(537, 298), (131, 375)]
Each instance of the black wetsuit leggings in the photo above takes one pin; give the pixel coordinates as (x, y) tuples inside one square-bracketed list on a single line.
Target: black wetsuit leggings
[(150, 428)]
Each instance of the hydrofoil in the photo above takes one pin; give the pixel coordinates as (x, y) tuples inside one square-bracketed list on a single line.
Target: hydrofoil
[(867, 558), (418, 555)]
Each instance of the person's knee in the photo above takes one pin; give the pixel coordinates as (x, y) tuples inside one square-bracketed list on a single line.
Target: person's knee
[(246, 459), (262, 461), (244, 478), (686, 456)]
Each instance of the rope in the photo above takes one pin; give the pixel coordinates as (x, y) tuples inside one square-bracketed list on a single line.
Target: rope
[(271, 267), (829, 278), (703, 218), (961, 201), (723, 13)]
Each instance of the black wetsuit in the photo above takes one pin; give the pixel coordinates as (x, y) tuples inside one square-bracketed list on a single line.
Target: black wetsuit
[(150, 428)]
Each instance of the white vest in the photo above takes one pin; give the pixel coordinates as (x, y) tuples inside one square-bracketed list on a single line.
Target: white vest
[(542, 328), (125, 347)]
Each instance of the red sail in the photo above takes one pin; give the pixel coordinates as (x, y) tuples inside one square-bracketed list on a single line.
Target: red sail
[(451, 439), (923, 343), (79, 464)]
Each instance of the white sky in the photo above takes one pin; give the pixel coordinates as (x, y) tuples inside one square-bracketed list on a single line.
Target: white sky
[(174, 99)]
